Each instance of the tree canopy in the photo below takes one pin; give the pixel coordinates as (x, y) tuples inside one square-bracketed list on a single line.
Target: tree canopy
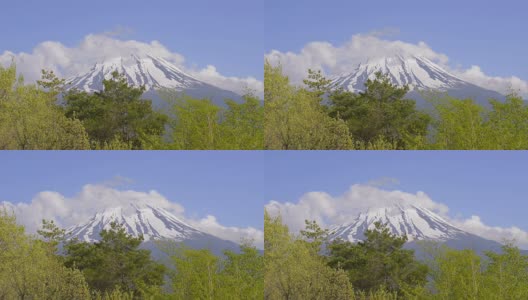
[(116, 262), (310, 266), (48, 116), (317, 115)]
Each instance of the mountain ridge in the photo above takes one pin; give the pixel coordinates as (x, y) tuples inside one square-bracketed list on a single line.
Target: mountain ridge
[(149, 221), (417, 223), (413, 221), (155, 224), (155, 74), (139, 71), (417, 72)]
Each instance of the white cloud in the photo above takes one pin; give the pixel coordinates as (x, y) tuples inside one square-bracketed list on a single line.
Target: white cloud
[(503, 85), (500, 234), (71, 61), (69, 211), (333, 60), (334, 210), (341, 59), (238, 85), (210, 224)]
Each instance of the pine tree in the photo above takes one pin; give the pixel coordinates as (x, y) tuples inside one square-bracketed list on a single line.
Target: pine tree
[(116, 262)]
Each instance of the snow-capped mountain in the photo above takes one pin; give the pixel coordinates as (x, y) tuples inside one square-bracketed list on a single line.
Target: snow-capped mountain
[(155, 73), (152, 72), (417, 223), (414, 71), (154, 223), (419, 73), (151, 222)]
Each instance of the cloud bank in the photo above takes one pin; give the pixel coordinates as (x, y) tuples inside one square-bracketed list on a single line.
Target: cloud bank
[(72, 61), (69, 211), (334, 60), (334, 210)]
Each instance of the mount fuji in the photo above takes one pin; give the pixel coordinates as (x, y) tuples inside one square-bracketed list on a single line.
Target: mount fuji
[(155, 224), (155, 73), (417, 223), (419, 73)]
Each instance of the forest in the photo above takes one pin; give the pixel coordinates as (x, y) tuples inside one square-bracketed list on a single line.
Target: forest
[(310, 117), (317, 117), (47, 116), (310, 266), (46, 266)]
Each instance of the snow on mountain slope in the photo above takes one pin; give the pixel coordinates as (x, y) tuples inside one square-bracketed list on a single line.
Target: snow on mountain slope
[(152, 72), (418, 72), (415, 71), (417, 223), (156, 74), (153, 223)]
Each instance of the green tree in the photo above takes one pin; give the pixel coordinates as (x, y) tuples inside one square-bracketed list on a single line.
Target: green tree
[(199, 124), (9, 82), (464, 274), (242, 126), (507, 124), (52, 235), (51, 83), (460, 125), (116, 262), (197, 274), (196, 124), (116, 111), (242, 275), (30, 118), (293, 270), (314, 235), (294, 118), (381, 111), (378, 262), (28, 270), (317, 83), (458, 275), (506, 275)]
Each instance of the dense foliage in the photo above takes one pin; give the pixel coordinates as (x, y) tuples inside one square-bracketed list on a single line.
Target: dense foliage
[(378, 261), (312, 116), (29, 270), (317, 116), (309, 266), (46, 116), (295, 119), (201, 275), (116, 112), (30, 118), (116, 262), (294, 269), (201, 125), (115, 268)]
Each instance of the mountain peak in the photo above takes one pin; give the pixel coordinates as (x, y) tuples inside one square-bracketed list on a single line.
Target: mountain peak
[(149, 221), (418, 72), (417, 223), (156, 74), (149, 71)]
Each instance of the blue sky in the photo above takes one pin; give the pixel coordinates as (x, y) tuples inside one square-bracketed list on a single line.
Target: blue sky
[(227, 185), (227, 33), (490, 34), (492, 185)]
